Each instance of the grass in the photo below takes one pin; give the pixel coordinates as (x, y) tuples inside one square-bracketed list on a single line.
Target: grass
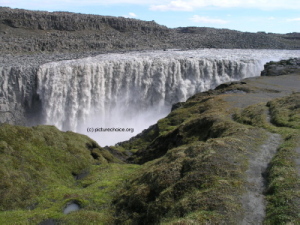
[(191, 169), (283, 192), (37, 170), (195, 166), (283, 189)]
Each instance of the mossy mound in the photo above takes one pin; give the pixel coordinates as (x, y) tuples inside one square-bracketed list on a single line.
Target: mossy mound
[(193, 169), (43, 169), (194, 161)]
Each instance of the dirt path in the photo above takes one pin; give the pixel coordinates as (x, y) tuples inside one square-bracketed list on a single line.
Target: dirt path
[(265, 89), (254, 199)]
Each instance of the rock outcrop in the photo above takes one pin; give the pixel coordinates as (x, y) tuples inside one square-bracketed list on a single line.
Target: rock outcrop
[(24, 31), (281, 67), (17, 94), (37, 31)]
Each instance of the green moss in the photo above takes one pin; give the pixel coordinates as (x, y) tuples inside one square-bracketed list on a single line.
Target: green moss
[(195, 168), (254, 115), (38, 168), (94, 193), (201, 177), (283, 188), (192, 172), (197, 218), (285, 112), (283, 192)]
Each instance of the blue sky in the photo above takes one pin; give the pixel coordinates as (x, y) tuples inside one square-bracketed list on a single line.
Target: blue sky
[(277, 16)]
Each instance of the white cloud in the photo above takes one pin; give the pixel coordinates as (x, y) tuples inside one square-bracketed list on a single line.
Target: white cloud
[(130, 15), (190, 5), (293, 20), (204, 19), (178, 5)]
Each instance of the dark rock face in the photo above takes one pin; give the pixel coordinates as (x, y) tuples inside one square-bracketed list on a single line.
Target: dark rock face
[(17, 94), (198, 37), (65, 21), (31, 31), (282, 67), (23, 31)]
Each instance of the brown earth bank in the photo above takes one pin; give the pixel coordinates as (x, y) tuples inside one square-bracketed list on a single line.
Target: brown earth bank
[(225, 156), (24, 31)]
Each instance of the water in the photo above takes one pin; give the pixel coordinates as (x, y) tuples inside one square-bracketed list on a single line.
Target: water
[(72, 207), (134, 90)]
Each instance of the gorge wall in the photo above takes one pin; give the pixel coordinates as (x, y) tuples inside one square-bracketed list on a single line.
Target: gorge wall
[(24, 31)]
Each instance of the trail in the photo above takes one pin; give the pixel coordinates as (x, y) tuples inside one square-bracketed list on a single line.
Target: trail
[(253, 200)]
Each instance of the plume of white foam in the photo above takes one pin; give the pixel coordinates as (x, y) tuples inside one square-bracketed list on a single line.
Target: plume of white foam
[(134, 90)]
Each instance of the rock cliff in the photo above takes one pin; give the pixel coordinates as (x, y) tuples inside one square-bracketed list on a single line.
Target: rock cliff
[(282, 67), (24, 31)]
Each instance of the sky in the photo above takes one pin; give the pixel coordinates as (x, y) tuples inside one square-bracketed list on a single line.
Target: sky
[(275, 16)]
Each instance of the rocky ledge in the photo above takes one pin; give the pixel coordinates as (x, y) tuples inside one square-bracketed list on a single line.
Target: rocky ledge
[(24, 31), (282, 67)]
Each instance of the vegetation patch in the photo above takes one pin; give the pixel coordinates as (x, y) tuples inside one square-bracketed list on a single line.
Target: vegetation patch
[(193, 171), (283, 188), (189, 168), (43, 169)]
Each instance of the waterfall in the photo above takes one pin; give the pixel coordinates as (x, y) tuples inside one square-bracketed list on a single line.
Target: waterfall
[(135, 89)]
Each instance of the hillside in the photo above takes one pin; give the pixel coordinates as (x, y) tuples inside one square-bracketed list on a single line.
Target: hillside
[(23, 31), (225, 156)]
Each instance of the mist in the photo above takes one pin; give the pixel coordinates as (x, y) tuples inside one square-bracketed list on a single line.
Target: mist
[(136, 89)]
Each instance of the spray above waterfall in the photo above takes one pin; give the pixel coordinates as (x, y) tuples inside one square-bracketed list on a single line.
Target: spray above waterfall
[(134, 90)]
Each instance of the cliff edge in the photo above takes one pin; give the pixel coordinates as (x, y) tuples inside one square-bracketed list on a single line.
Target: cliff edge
[(24, 31)]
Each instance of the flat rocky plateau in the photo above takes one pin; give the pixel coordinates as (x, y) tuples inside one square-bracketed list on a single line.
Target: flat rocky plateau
[(24, 31)]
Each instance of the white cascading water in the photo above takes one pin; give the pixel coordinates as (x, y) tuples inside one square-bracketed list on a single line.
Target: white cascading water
[(134, 90)]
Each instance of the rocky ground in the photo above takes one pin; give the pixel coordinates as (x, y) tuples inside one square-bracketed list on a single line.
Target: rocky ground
[(283, 67), (23, 31)]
